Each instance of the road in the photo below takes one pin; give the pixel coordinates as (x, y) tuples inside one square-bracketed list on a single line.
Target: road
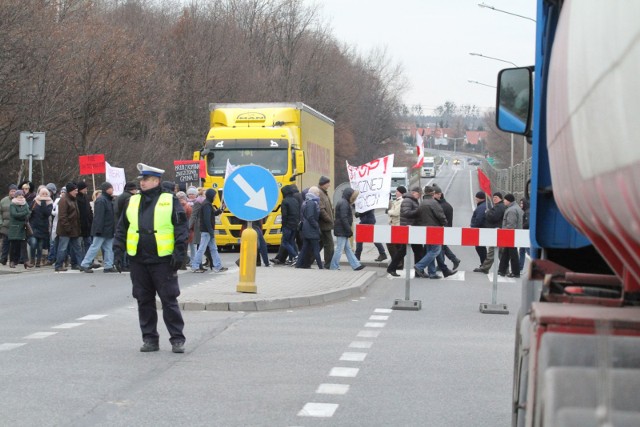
[(352, 362)]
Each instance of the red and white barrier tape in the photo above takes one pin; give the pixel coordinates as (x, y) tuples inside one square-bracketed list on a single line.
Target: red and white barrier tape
[(454, 236)]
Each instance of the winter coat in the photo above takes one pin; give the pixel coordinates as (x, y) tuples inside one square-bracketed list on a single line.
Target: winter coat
[(310, 217), (493, 217), (477, 219), (512, 217), (290, 208), (368, 217), (326, 211), (104, 223), (5, 216), (394, 211), (430, 213), (68, 217), (208, 214), (86, 214), (447, 209), (39, 220), (119, 204), (344, 215), (19, 215), (409, 210)]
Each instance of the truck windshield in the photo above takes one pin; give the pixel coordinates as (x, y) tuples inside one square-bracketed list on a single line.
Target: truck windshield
[(428, 164), (271, 154)]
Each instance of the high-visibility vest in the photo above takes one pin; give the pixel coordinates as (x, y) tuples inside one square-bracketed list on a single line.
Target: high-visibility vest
[(162, 226)]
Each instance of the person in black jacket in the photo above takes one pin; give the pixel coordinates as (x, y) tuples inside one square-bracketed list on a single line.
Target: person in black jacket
[(40, 212), (86, 218), (310, 228), (157, 248), (492, 219), (281, 257), (446, 251), (207, 235), (369, 217), (477, 221), (290, 220), (102, 231), (342, 230)]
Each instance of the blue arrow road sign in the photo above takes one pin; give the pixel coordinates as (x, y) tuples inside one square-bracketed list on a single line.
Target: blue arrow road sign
[(251, 192)]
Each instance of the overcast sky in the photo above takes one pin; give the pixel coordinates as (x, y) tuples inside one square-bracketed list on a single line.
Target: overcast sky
[(432, 40)]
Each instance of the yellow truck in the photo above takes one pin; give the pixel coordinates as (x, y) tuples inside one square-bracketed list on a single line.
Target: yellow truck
[(291, 140)]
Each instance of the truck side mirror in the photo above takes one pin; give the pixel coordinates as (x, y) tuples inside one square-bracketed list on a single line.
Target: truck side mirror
[(514, 106)]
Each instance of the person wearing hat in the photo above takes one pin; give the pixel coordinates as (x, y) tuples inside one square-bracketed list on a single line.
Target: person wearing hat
[(477, 221), (102, 231), (438, 195), (86, 218), (430, 214), (5, 216), (153, 231), (492, 219), (512, 220), (408, 216), (394, 216), (207, 221), (69, 229), (326, 220)]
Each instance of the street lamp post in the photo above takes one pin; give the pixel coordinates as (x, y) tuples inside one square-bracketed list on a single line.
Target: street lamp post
[(491, 57), (504, 11), (480, 83)]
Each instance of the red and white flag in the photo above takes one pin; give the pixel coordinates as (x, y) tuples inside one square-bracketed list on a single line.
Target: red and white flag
[(419, 150), (484, 182)]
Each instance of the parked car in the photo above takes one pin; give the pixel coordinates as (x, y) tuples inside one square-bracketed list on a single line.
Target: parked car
[(474, 162)]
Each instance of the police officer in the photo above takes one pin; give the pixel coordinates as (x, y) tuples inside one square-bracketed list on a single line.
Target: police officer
[(153, 231)]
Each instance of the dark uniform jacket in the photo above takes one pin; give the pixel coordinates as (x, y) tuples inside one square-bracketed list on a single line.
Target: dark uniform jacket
[(493, 217), (147, 252), (208, 214), (68, 217), (430, 213), (448, 210), (344, 215), (120, 201), (86, 214), (310, 217), (409, 210), (103, 217), (477, 219), (290, 208)]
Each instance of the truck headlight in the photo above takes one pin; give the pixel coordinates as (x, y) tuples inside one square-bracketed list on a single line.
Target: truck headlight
[(278, 220)]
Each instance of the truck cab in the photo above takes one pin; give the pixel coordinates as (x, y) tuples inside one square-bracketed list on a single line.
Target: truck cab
[(429, 167), (399, 176)]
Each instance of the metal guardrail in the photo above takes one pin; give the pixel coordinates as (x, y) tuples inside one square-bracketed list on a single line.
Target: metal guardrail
[(509, 180)]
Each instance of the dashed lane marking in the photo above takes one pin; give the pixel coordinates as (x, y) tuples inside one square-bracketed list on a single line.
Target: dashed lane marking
[(321, 410), (344, 372), (11, 345), (92, 317), (360, 344), (39, 335), (374, 317), (353, 357), (368, 334), (67, 325), (374, 325), (333, 389), (383, 310)]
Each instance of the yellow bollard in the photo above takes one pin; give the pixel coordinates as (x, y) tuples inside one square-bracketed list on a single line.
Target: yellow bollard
[(248, 252)]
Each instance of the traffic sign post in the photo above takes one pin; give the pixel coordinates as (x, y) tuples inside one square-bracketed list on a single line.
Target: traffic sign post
[(250, 193), (31, 146)]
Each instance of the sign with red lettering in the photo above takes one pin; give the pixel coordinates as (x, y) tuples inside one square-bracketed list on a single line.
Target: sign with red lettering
[(190, 170), (373, 181), (91, 164)]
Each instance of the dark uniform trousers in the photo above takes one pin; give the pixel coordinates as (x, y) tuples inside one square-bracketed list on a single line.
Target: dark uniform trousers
[(149, 279)]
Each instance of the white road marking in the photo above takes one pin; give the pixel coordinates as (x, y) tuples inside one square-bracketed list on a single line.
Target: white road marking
[(374, 317), (368, 334), (353, 357), (383, 310), (374, 325), (67, 325), (321, 410), (360, 344), (501, 279), (458, 276), (344, 372), (92, 317), (39, 335), (11, 345), (333, 389)]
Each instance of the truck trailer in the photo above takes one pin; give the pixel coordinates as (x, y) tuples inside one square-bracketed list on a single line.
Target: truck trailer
[(291, 140), (577, 358)]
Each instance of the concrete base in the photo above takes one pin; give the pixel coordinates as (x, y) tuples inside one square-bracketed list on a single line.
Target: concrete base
[(249, 288), (494, 308), (404, 304)]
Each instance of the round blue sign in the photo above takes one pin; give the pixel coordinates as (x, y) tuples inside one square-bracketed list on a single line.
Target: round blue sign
[(251, 192)]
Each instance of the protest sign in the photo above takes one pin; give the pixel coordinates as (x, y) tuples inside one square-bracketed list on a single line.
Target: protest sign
[(373, 181), (91, 164), (189, 171), (115, 177)]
